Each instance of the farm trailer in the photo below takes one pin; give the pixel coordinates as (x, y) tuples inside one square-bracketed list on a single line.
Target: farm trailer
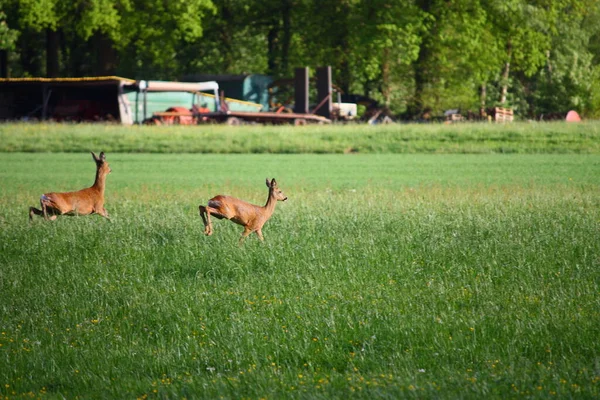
[(126, 101)]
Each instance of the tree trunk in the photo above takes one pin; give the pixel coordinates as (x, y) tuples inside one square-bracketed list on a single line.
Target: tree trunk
[(344, 76), (416, 107), (506, 74), (106, 56), (272, 50), (30, 55), (385, 76), (225, 38), (483, 95), (52, 54), (286, 38), (549, 63), (504, 91)]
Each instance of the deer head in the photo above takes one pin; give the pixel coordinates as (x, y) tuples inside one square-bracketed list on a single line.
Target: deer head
[(101, 164), (275, 191)]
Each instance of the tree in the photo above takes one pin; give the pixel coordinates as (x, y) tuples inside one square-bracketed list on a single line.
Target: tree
[(384, 41), (8, 38), (457, 53), (93, 34), (234, 41), (153, 32), (563, 76), (522, 28)]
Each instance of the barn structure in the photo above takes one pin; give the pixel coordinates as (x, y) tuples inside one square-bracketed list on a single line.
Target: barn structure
[(105, 98)]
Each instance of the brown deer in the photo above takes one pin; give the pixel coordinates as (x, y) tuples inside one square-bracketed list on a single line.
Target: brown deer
[(82, 202), (250, 216)]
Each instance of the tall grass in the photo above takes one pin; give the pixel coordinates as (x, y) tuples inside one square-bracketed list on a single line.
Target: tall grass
[(397, 138), (381, 277)]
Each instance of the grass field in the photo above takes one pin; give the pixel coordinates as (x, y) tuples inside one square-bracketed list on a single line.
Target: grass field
[(480, 138), (383, 276)]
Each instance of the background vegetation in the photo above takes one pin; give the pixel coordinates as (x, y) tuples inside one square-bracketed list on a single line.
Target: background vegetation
[(583, 138), (382, 276), (541, 57)]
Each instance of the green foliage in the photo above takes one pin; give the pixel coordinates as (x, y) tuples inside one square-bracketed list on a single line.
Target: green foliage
[(153, 31), (99, 15), (382, 276), (8, 36), (39, 15), (593, 107)]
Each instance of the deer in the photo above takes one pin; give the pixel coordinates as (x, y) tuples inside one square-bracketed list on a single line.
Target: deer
[(82, 202), (250, 216)]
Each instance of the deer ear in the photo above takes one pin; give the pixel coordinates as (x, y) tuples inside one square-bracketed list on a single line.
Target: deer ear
[(95, 158), (273, 182), (102, 156), (268, 183)]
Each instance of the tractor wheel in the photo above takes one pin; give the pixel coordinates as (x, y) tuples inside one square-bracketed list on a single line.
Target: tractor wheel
[(233, 121)]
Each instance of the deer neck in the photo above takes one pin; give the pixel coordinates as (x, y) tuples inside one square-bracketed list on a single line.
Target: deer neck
[(271, 203), (99, 182)]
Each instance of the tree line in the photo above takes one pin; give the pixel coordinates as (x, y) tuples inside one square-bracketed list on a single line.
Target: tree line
[(416, 57)]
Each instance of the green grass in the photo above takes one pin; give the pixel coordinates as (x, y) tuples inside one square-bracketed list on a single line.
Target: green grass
[(477, 138), (382, 276)]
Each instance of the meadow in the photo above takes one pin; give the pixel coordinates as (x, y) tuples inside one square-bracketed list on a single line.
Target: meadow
[(383, 276), (468, 138)]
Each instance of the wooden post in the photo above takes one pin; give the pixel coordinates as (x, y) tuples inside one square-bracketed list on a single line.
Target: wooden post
[(3, 64), (301, 90), (324, 91)]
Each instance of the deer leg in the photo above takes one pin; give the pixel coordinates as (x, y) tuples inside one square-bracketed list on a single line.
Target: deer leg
[(44, 211), (205, 215), (34, 211), (48, 216), (245, 234), (104, 213), (260, 235)]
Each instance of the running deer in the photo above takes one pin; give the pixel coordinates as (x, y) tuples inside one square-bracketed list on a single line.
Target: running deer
[(82, 202), (250, 216)]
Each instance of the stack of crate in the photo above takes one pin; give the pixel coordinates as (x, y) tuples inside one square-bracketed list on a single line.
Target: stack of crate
[(502, 114)]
